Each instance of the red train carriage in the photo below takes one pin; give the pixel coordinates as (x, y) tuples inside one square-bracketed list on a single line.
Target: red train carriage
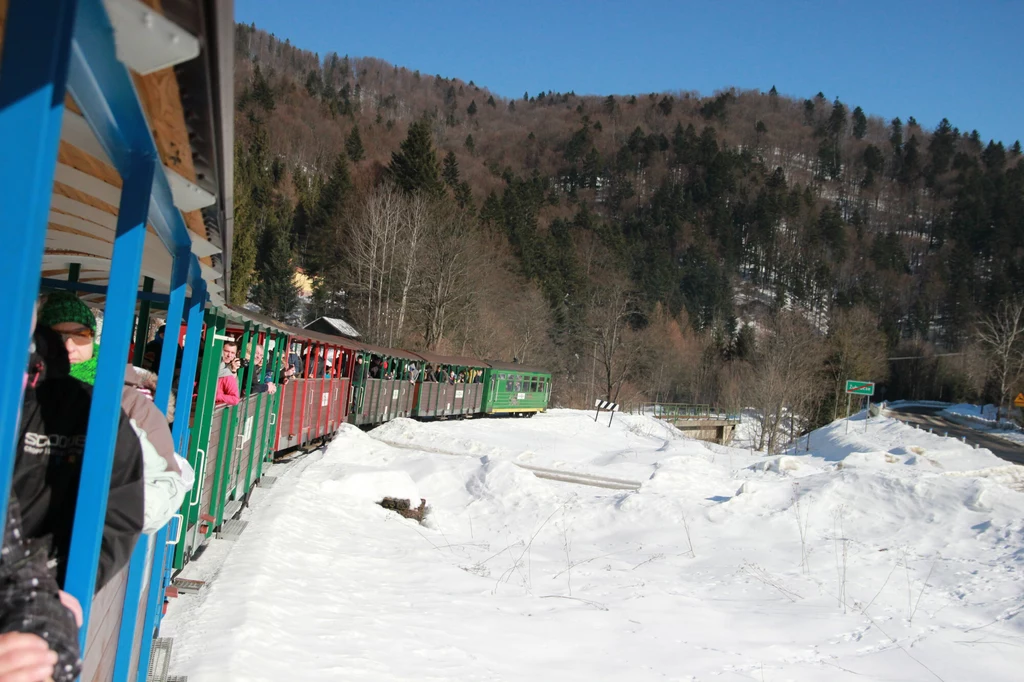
[(315, 399)]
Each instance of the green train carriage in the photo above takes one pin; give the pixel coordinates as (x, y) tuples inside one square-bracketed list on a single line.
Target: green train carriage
[(514, 389)]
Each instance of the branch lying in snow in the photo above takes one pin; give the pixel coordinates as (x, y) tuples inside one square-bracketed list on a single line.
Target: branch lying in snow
[(585, 601), (517, 561), (923, 588), (653, 557), (587, 561), (766, 578)]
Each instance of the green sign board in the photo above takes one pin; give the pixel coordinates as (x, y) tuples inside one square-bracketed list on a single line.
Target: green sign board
[(860, 387)]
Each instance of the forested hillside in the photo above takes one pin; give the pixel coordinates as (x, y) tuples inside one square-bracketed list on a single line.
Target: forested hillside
[(648, 245)]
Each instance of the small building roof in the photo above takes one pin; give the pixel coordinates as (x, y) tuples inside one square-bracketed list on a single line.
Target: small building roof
[(339, 325)]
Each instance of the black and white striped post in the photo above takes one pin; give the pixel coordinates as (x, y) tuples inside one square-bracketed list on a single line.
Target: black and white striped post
[(605, 405)]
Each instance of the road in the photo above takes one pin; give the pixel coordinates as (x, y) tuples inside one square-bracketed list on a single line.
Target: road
[(928, 417)]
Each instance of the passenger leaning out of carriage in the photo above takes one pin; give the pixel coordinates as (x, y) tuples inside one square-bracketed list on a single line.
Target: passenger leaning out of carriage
[(227, 381), (68, 315), (38, 623), (262, 381), (55, 417), (292, 370), (413, 373)]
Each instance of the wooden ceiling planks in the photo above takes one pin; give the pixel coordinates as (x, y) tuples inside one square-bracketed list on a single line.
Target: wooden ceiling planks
[(70, 155), (161, 101), (87, 199)]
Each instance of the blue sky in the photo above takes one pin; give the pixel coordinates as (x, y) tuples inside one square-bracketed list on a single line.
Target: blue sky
[(960, 60)]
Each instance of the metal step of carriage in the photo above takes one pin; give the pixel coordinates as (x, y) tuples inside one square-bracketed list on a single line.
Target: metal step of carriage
[(159, 660), (232, 529), (186, 586), (231, 508)]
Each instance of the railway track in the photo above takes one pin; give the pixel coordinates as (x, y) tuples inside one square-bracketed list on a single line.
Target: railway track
[(560, 475)]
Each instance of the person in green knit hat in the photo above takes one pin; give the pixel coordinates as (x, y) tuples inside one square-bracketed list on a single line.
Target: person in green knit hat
[(70, 317), (165, 486)]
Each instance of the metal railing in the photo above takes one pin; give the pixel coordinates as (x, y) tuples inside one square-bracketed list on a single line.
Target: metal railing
[(688, 411)]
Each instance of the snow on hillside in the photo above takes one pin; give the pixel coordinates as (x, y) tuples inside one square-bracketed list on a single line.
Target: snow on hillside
[(890, 554)]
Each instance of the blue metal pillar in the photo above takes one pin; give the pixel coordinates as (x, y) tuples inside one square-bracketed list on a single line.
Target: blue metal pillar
[(189, 359), (169, 353), (130, 609), (118, 316), (37, 40)]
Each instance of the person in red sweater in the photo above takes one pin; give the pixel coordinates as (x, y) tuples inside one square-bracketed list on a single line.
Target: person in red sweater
[(227, 382)]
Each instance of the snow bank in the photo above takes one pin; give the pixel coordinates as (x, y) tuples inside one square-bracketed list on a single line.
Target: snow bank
[(984, 413), (883, 554)]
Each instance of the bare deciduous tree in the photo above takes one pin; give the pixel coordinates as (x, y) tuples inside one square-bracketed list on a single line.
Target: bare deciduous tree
[(618, 349), (856, 350), (1002, 335), (785, 375), (445, 268), (375, 246)]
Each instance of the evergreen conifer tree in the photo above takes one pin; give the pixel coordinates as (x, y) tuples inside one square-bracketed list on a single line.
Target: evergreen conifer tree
[(326, 225), (262, 93), (354, 145), (860, 123), (470, 145), (313, 85), (275, 291), (491, 102), (471, 109), (414, 166), (464, 196), (450, 171)]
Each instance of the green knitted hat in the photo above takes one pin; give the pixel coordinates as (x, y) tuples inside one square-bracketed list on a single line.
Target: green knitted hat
[(64, 306)]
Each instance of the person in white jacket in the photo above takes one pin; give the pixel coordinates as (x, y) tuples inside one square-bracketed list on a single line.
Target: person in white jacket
[(168, 477)]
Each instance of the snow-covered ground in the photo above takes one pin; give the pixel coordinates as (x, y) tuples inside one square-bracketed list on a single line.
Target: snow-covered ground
[(885, 554)]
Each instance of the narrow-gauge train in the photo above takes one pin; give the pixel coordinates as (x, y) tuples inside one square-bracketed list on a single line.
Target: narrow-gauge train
[(116, 121), (335, 384)]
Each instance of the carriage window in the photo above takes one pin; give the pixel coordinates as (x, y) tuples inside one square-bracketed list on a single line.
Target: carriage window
[(533, 385), (509, 387)]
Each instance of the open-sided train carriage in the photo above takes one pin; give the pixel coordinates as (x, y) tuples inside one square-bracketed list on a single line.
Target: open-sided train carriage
[(381, 385), (116, 125), (315, 401), (459, 392)]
